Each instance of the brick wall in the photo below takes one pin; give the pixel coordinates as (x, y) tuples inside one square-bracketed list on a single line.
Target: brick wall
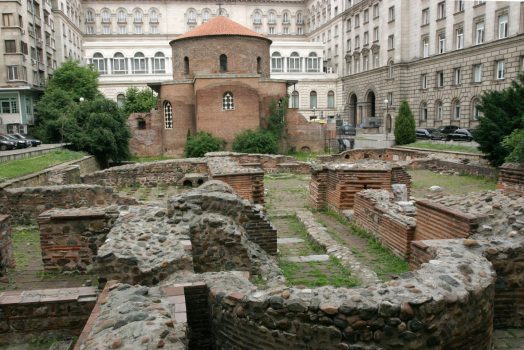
[(318, 188), (25, 204), (451, 223), (30, 314), (303, 135), (419, 254), (389, 154), (198, 318), (511, 178), (70, 237), (270, 163), (442, 165), (393, 230), (146, 140), (247, 186), (6, 245)]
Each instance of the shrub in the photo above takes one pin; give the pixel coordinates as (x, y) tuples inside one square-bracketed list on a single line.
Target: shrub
[(201, 143), (139, 100), (405, 129), (514, 143), (259, 141)]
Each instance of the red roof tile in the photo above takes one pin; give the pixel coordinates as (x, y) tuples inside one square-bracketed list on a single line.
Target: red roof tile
[(219, 26)]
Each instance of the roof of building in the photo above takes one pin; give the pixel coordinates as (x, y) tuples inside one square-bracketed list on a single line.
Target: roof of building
[(219, 26)]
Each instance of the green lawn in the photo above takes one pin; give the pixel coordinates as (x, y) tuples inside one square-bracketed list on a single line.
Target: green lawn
[(422, 180), (444, 147), (21, 167)]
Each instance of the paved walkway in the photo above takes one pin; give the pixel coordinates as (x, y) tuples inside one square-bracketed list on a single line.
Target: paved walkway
[(6, 156)]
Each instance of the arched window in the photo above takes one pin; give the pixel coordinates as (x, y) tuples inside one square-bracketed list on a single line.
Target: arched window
[(141, 124), (272, 18), (259, 65), (313, 63), (423, 115), (439, 110), (153, 16), (313, 99), (191, 16), (99, 62), (120, 98), (139, 63), (121, 16), (390, 70), (137, 14), (228, 102), (223, 63), (168, 115), (294, 63), (106, 16), (476, 113), (294, 99), (119, 64), (285, 18), (331, 99), (186, 65), (300, 19), (455, 109), (223, 12), (159, 63), (205, 16), (276, 62), (90, 17), (257, 18)]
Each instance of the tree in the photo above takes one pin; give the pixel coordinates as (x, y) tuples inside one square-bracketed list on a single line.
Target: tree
[(259, 141), (72, 110), (137, 101), (514, 143), (503, 111), (201, 143), (405, 128), (276, 121)]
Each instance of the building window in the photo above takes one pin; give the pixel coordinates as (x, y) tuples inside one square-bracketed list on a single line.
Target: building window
[(441, 42), (300, 20), (276, 62), (119, 64), (12, 73), (366, 16), (259, 65), (459, 38), (99, 62), (390, 70), (376, 61), (186, 65), (294, 63), (223, 63), (106, 30), (294, 99), (366, 38), (153, 16), (120, 99), (375, 11), (90, 30), (331, 99), (456, 110), (439, 110), (440, 79), (390, 99), (257, 18), (391, 42), (138, 29), (423, 112), (424, 81), (477, 73), (391, 13), (459, 5), (357, 21), (285, 18), (141, 124), (457, 77), (191, 17), (365, 60), (205, 16), (425, 47), (159, 63), (300, 30), (479, 33), (357, 42), (313, 64), (441, 10), (8, 20), (425, 16), (8, 105), (228, 103), (168, 115), (122, 30), (10, 46), (139, 63), (375, 34), (313, 99), (106, 16), (503, 26), (500, 69), (476, 109)]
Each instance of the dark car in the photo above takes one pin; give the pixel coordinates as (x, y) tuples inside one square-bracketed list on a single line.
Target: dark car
[(348, 130), (32, 142), (461, 135), (18, 143), (447, 129), (6, 144), (430, 134)]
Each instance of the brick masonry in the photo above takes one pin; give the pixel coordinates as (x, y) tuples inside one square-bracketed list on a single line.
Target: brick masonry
[(511, 178), (6, 245)]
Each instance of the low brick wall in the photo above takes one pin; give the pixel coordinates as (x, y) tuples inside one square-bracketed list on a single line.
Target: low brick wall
[(6, 245), (388, 154), (436, 221), (442, 165), (511, 178), (26, 315), (247, 186), (70, 238), (391, 228), (318, 188), (26, 203), (270, 163)]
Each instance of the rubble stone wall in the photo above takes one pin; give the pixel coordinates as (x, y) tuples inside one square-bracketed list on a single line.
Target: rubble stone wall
[(270, 163), (443, 165), (511, 178), (379, 217), (26, 203), (389, 154), (70, 238), (6, 245), (28, 314)]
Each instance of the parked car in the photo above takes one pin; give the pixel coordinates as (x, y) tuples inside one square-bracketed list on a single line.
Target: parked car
[(6, 144), (18, 143), (461, 135), (430, 134), (348, 130), (447, 129), (33, 142)]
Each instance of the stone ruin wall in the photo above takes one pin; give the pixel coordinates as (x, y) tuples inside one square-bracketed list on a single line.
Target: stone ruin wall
[(70, 238), (511, 178), (270, 163), (6, 245), (387, 154)]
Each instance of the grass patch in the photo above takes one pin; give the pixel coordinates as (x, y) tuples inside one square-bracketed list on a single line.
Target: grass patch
[(444, 147), (452, 184), (23, 238), (384, 262), (21, 167), (150, 159)]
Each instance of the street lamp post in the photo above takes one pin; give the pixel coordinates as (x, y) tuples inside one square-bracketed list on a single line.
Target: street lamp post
[(386, 102)]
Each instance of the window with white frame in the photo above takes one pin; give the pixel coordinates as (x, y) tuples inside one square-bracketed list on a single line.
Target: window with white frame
[(285, 30), (476, 113), (500, 69), (153, 29), (456, 110), (357, 64), (390, 70), (391, 13), (439, 110), (228, 101), (390, 99), (348, 45), (137, 15), (90, 29), (294, 63), (313, 99), (168, 115), (122, 29), (425, 16), (205, 16), (503, 26), (12, 73), (375, 34), (440, 78), (366, 38), (366, 16), (357, 42), (300, 31), (331, 99), (357, 21), (138, 29), (375, 11), (457, 76), (285, 18), (477, 73), (365, 65), (106, 16), (423, 112), (313, 63), (271, 30), (441, 42), (459, 38), (294, 99), (90, 16), (376, 60), (153, 16), (191, 16), (459, 5), (276, 62), (119, 63), (159, 63), (99, 62), (106, 29), (8, 105), (391, 42), (424, 81), (300, 19), (425, 46), (272, 18), (120, 100), (257, 18), (479, 32), (441, 10), (479, 2), (139, 63), (121, 16)]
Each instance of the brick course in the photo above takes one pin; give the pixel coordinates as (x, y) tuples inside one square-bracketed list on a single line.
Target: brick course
[(511, 178)]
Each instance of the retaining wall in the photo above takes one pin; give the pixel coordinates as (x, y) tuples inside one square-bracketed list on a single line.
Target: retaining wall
[(511, 178), (6, 245)]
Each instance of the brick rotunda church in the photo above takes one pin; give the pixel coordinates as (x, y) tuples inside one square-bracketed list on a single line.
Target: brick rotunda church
[(220, 85)]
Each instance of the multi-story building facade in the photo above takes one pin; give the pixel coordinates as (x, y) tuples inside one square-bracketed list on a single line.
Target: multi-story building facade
[(347, 56)]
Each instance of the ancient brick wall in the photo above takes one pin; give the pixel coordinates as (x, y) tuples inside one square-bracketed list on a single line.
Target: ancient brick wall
[(318, 188), (389, 154), (146, 133), (270, 163), (303, 135), (436, 221), (70, 238), (26, 203), (419, 254), (29, 314), (247, 186), (511, 178), (6, 245), (442, 165), (391, 228)]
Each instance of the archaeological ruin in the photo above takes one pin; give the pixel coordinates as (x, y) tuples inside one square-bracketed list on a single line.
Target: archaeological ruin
[(201, 267)]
